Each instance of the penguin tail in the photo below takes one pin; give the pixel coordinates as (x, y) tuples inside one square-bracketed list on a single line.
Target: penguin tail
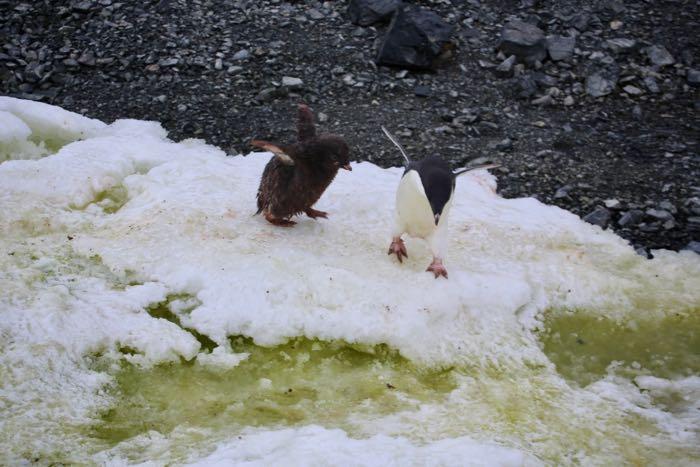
[(398, 145)]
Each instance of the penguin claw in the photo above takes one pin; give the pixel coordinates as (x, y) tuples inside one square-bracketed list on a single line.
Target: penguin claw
[(398, 248), (277, 221), (312, 213), (437, 268)]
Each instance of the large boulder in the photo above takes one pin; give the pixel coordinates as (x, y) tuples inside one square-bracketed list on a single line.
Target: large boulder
[(523, 40), (367, 12), (415, 39)]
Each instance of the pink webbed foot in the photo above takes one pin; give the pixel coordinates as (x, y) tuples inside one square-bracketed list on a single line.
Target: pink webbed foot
[(437, 268), (398, 248), (312, 213), (277, 221)]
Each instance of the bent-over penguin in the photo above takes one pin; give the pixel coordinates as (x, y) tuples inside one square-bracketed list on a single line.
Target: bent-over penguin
[(423, 201), (296, 177)]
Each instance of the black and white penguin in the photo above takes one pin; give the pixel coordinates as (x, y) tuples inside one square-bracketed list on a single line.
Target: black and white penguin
[(423, 202)]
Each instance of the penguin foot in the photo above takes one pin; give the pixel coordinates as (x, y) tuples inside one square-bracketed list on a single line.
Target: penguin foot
[(437, 268), (279, 222), (398, 248), (312, 213)]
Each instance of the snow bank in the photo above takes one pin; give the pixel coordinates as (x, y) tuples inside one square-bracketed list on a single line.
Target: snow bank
[(312, 444), (126, 219), (48, 122), (31, 130)]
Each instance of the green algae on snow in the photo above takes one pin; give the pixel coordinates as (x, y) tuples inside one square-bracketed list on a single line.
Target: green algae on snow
[(110, 200), (303, 381)]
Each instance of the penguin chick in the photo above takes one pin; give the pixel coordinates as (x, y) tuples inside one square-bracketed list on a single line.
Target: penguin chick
[(298, 174), (423, 201)]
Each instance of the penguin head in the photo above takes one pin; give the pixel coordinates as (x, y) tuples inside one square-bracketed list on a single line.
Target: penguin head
[(326, 149), (438, 183), (437, 203)]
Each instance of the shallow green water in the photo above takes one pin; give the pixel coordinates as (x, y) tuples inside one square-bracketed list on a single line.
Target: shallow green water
[(303, 381), (333, 383), (583, 346)]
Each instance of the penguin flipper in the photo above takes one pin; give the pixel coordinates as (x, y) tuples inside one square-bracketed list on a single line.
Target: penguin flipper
[(459, 172), (285, 158)]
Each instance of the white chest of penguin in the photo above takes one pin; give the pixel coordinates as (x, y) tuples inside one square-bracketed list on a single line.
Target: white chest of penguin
[(413, 208)]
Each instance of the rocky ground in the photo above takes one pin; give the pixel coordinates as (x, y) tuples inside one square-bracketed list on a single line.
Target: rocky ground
[(608, 130)]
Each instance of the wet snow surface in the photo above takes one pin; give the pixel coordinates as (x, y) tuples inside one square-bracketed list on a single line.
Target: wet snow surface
[(147, 315)]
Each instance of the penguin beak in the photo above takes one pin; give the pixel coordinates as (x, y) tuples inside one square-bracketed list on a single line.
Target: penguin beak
[(437, 219), (347, 167)]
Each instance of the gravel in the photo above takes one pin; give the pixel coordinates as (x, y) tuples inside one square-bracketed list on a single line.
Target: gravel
[(614, 117)]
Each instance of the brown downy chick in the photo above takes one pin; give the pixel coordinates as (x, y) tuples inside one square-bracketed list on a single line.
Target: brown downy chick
[(299, 173)]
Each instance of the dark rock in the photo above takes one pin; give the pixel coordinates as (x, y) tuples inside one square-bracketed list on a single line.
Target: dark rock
[(642, 251), (422, 91), (668, 206), (601, 83), (621, 45), (614, 6), (693, 205), (543, 100), (241, 55), (687, 57), (315, 14), (693, 246), (292, 82), (164, 6), (526, 86), (82, 7), (694, 223), (543, 80), (600, 217), (650, 228), (269, 94), (367, 12), (523, 40), (637, 112), (505, 69), (166, 62), (632, 90), (659, 56), (560, 48), (613, 204), (562, 192), (415, 39), (87, 58), (651, 85), (359, 32), (581, 21), (693, 77), (505, 144), (660, 214)]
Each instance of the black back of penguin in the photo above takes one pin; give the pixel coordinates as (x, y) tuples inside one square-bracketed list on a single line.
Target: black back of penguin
[(438, 181)]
